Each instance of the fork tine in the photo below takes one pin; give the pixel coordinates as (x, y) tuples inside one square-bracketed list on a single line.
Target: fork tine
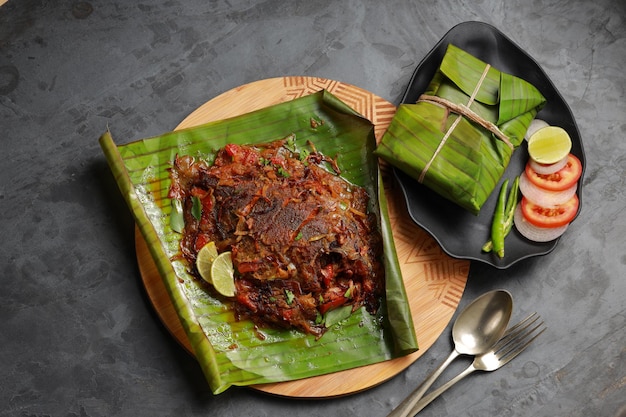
[(522, 322), (515, 330), (521, 341)]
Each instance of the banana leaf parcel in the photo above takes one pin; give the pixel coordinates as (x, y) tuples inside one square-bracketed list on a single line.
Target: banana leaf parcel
[(232, 352), (459, 137)]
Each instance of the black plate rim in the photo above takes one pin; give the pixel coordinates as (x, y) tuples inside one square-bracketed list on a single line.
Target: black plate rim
[(405, 181)]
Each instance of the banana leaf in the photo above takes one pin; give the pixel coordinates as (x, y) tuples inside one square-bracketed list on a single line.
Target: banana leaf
[(462, 160), (231, 352)]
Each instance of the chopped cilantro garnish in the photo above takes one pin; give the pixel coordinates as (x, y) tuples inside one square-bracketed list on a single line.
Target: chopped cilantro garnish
[(290, 144), (290, 296), (348, 293), (303, 155), (319, 319)]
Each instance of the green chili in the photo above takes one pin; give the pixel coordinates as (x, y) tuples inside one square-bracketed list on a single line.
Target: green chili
[(504, 218), (488, 246), (497, 226), (511, 204)]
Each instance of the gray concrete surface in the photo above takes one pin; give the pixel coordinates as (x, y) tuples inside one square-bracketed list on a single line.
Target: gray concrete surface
[(78, 336)]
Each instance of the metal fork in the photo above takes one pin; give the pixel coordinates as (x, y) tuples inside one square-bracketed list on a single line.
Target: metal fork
[(515, 341)]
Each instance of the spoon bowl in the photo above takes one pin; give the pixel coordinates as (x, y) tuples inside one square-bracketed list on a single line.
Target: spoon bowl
[(482, 323), (475, 331)]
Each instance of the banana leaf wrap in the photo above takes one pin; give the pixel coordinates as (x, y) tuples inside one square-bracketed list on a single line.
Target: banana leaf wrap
[(459, 137), (231, 352)]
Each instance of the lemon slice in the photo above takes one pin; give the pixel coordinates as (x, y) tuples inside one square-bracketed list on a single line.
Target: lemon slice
[(223, 274), (205, 259), (549, 145)]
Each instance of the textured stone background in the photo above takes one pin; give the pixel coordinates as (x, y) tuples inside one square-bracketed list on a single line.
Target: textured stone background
[(78, 336)]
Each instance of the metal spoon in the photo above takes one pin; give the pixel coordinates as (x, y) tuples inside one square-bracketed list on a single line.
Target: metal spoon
[(477, 328)]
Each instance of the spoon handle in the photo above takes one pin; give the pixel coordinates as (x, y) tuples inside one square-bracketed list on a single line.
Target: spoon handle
[(405, 407), (436, 393)]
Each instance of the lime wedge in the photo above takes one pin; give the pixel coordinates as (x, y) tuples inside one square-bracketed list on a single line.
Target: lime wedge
[(549, 145), (205, 259), (223, 274)]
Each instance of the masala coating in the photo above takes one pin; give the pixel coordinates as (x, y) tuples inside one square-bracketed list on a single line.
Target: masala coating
[(301, 237)]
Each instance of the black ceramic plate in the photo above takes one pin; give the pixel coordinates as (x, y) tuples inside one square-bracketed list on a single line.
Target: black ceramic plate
[(460, 233)]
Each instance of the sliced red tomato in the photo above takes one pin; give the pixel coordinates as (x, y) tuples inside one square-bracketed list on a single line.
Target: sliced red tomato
[(201, 240), (242, 154), (332, 304), (534, 233), (556, 216), (563, 179)]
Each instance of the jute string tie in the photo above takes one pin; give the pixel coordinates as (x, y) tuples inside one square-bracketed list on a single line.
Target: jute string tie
[(461, 110)]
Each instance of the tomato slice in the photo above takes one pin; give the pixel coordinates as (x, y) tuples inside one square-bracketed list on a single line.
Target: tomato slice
[(534, 233), (556, 216), (560, 180)]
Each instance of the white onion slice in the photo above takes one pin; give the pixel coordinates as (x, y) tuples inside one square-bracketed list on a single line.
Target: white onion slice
[(534, 233), (534, 126), (544, 198), (544, 169)]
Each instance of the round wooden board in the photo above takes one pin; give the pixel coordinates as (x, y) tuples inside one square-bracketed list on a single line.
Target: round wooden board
[(434, 281)]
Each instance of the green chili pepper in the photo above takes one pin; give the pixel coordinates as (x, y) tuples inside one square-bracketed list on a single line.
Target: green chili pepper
[(506, 218), (488, 246), (497, 226), (511, 204)]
